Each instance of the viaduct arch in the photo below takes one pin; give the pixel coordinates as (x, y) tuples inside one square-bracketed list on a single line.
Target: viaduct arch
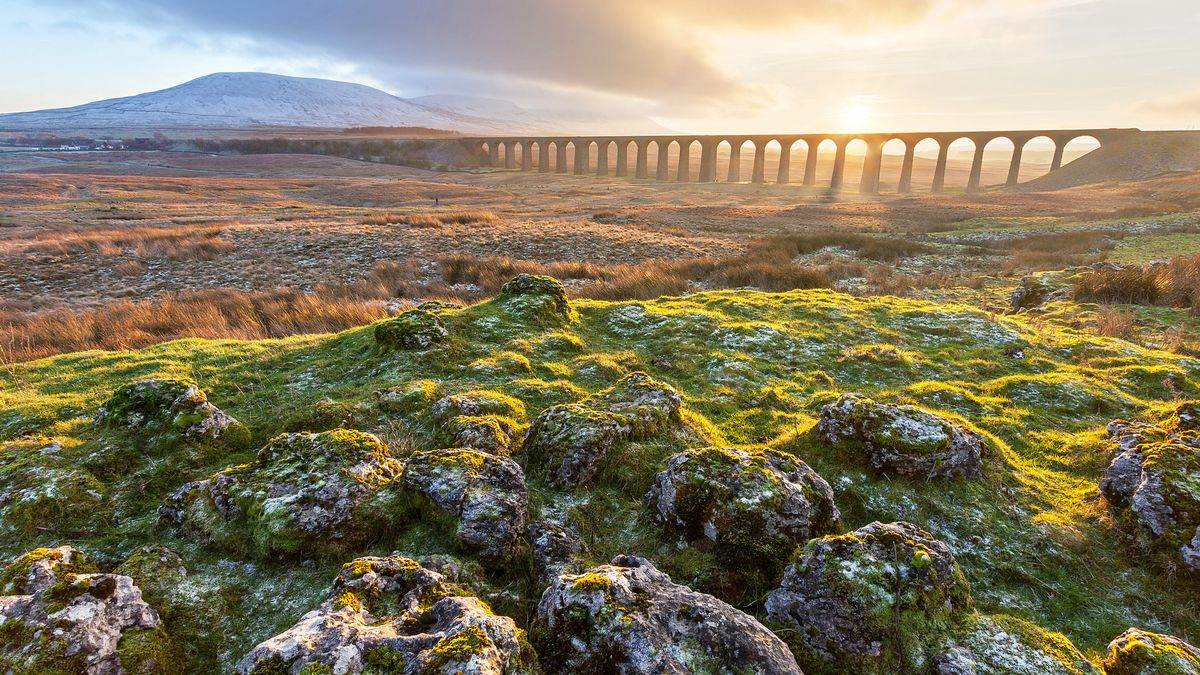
[(551, 154)]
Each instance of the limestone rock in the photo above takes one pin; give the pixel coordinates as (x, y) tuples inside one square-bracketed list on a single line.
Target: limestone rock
[(390, 614), (1034, 292), (628, 617), (1153, 482), (863, 601), (480, 403), (1138, 652), (538, 298), (486, 493), (61, 616), (485, 433), (756, 505), (556, 549), (171, 408), (412, 330), (572, 440), (304, 493), (904, 439)]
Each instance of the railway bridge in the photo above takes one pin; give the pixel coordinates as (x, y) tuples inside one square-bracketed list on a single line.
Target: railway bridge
[(591, 154)]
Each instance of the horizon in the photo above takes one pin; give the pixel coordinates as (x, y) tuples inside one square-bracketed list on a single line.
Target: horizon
[(921, 65)]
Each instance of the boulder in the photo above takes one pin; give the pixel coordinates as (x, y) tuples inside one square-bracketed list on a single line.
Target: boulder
[(556, 548), (439, 305), (485, 493), (904, 439), (485, 433), (305, 493), (537, 298), (391, 615), (1008, 645), (628, 617), (477, 403), (171, 409), (871, 600), (1034, 292), (59, 615), (572, 440), (1138, 652), (755, 505), (415, 329), (1153, 483)]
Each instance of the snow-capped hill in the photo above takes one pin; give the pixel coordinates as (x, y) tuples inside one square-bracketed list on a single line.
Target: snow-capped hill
[(248, 100)]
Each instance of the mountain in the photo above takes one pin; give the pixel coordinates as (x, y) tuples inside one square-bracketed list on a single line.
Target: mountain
[(250, 100)]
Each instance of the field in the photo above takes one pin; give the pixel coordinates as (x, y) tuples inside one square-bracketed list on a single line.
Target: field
[(268, 281)]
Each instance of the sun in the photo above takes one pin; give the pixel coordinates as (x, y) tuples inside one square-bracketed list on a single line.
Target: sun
[(855, 117)]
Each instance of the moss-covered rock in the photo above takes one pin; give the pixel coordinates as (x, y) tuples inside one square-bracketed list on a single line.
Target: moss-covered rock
[(485, 433), (1006, 645), (168, 410), (391, 615), (412, 330), (42, 489), (904, 439), (305, 493), (536, 298), (572, 440), (556, 550), (156, 569), (64, 618), (477, 403), (1138, 652), (1035, 291), (1153, 482), (628, 617), (756, 506), (872, 600), (485, 493)]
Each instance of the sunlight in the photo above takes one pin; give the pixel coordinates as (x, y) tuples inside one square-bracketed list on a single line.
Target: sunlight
[(855, 117)]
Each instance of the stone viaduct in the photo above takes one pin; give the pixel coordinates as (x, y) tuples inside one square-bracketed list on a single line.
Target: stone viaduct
[(546, 153)]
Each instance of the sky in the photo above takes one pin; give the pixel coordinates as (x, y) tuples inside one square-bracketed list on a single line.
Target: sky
[(698, 66)]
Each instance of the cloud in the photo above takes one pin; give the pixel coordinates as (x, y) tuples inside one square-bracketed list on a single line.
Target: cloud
[(1187, 103), (644, 51)]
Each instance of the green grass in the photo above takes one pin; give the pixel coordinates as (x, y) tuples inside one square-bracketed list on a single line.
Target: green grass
[(1032, 536), (1145, 248)]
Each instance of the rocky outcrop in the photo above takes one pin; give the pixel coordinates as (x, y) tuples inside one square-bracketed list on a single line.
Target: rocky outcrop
[(871, 600), (628, 617), (415, 329), (1153, 483), (170, 409), (59, 615), (1006, 645), (572, 440), (485, 493), (1034, 292), (305, 493), (485, 433), (536, 298), (1138, 652), (392, 615), (904, 439), (756, 506)]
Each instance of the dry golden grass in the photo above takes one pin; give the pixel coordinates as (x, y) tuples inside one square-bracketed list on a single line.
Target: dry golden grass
[(1115, 322), (193, 242), (431, 219), (1172, 284)]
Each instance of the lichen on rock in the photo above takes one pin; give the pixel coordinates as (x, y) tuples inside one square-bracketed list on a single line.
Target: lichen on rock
[(171, 409), (485, 493), (58, 615), (390, 614), (41, 488), (1153, 483), (485, 432), (415, 329), (1139, 652), (755, 505), (305, 493), (556, 549), (871, 600), (629, 617), (904, 439), (572, 440)]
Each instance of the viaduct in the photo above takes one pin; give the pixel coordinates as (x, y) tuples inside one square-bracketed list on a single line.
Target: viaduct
[(538, 151)]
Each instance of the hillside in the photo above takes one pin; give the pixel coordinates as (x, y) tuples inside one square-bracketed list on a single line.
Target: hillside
[(1038, 550), (1142, 155), (248, 100)]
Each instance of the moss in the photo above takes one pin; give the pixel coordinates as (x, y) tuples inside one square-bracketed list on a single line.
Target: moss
[(347, 599), (412, 330), (460, 647), (149, 652), (592, 583), (384, 661), (13, 577), (271, 666), (539, 299), (1143, 653), (316, 669)]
